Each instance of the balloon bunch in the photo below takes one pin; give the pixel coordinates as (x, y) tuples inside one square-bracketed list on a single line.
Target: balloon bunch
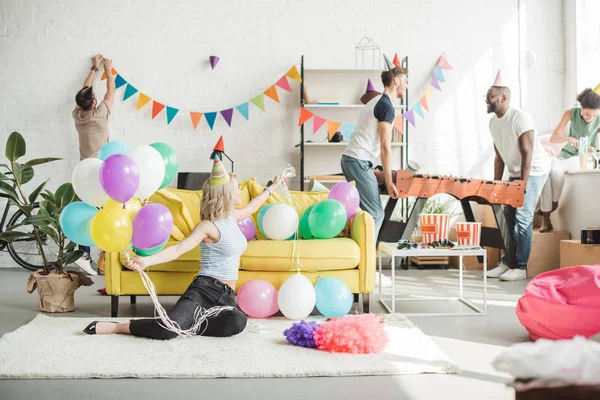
[(296, 298), (115, 183)]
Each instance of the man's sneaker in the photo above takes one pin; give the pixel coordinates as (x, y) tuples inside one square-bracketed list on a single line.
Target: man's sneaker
[(499, 270), (386, 281), (86, 265), (516, 274)]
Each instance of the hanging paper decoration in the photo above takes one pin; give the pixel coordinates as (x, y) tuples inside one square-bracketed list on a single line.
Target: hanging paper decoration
[(305, 115), (332, 128), (210, 118), (348, 129), (243, 109), (438, 76), (196, 116), (227, 114), (113, 71), (317, 123), (396, 61), (213, 61), (398, 122), (171, 113)]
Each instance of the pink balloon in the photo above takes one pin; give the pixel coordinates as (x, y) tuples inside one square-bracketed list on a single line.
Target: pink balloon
[(258, 299), (119, 177), (346, 193), (247, 227)]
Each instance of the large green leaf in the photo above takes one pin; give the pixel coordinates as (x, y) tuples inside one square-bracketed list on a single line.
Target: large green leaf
[(48, 197), (39, 220), (15, 146), (34, 195), (70, 258), (70, 246), (26, 208), (50, 232), (4, 177), (64, 195), (11, 236), (9, 190), (23, 173), (38, 161)]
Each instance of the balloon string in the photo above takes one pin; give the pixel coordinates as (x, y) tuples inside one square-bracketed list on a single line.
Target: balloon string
[(286, 198)]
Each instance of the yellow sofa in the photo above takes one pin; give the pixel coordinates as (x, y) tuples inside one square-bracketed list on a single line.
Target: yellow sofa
[(349, 257)]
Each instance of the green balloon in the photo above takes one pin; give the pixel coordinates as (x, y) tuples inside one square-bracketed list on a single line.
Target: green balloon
[(151, 251), (327, 219), (304, 228), (171, 163)]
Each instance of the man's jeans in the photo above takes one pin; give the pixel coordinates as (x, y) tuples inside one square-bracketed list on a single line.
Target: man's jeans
[(520, 224)]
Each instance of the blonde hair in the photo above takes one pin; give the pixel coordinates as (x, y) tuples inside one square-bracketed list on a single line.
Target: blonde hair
[(217, 200)]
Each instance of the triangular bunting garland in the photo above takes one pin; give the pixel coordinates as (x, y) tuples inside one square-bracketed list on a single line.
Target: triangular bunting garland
[(196, 117), (305, 115), (429, 92), (210, 118), (439, 74), (396, 61), (119, 81), (142, 100), (435, 84), (410, 117), (227, 114), (348, 130), (419, 110), (423, 102), (156, 108), (332, 128), (171, 113), (398, 122), (293, 73), (114, 72), (259, 101), (272, 93), (243, 109), (284, 84), (443, 63), (317, 123), (129, 91)]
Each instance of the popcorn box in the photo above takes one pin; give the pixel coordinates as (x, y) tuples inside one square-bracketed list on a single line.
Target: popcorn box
[(468, 233), (435, 227)]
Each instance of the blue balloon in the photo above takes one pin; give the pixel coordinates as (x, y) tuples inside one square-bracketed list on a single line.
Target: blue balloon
[(75, 221), (112, 148), (261, 214), (333, 297)]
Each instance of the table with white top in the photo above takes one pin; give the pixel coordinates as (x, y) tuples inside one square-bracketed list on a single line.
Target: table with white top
[(392, 250)]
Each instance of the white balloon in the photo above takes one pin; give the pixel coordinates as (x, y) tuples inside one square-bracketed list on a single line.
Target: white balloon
[(86, 182), (280, 222), (152, 169), (296, 297)]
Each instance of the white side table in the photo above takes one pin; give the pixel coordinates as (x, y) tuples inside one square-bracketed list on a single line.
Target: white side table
[(392, 251)]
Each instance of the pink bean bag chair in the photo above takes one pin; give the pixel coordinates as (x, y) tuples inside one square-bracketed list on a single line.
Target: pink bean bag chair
[(562, 304)]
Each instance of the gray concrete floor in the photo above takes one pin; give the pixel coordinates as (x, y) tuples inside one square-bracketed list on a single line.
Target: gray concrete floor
[(471, 341)]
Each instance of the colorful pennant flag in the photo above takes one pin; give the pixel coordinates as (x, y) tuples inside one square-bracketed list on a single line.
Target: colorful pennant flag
[(317, 123), (259, 101), (293, 73), (423, 102), (284, 84), (210, 118), (419, 110), (348, 129), (410, 117), (305, 115), (156, 108), (114, 72), (142, 100), (398, 123), (439, 74), (243, 109), (332, 128), (443, 62), (195, 116), (272, 93), (435, 84), (396, 61), (429, 92), (129, 91), (171, 113), (227, 114), (119, 81)]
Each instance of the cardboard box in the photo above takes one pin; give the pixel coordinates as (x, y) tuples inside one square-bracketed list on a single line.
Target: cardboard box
[(545, 252), (572, 252)]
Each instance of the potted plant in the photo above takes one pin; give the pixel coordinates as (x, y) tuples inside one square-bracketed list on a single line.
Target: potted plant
[(55, 285)]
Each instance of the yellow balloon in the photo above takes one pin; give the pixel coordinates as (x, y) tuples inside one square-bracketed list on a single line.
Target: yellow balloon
[(111, 229), (132, 206)]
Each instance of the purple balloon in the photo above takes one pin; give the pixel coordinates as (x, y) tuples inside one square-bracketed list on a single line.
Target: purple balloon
[(247, 227), (346, 193), (119, 177), (152, 225)]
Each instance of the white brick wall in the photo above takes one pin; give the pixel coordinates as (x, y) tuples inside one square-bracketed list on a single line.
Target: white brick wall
[(163, 46)]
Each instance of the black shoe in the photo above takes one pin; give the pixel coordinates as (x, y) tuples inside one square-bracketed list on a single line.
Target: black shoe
[(91, 328)]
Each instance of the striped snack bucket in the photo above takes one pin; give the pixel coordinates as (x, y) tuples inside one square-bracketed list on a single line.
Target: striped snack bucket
[(468, 233), (435, 227)]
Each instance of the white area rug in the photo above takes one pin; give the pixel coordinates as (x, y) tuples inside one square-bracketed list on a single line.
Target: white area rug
[(50, 347)]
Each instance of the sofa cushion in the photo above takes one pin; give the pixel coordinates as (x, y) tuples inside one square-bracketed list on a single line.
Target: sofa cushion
[(315, 255)]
